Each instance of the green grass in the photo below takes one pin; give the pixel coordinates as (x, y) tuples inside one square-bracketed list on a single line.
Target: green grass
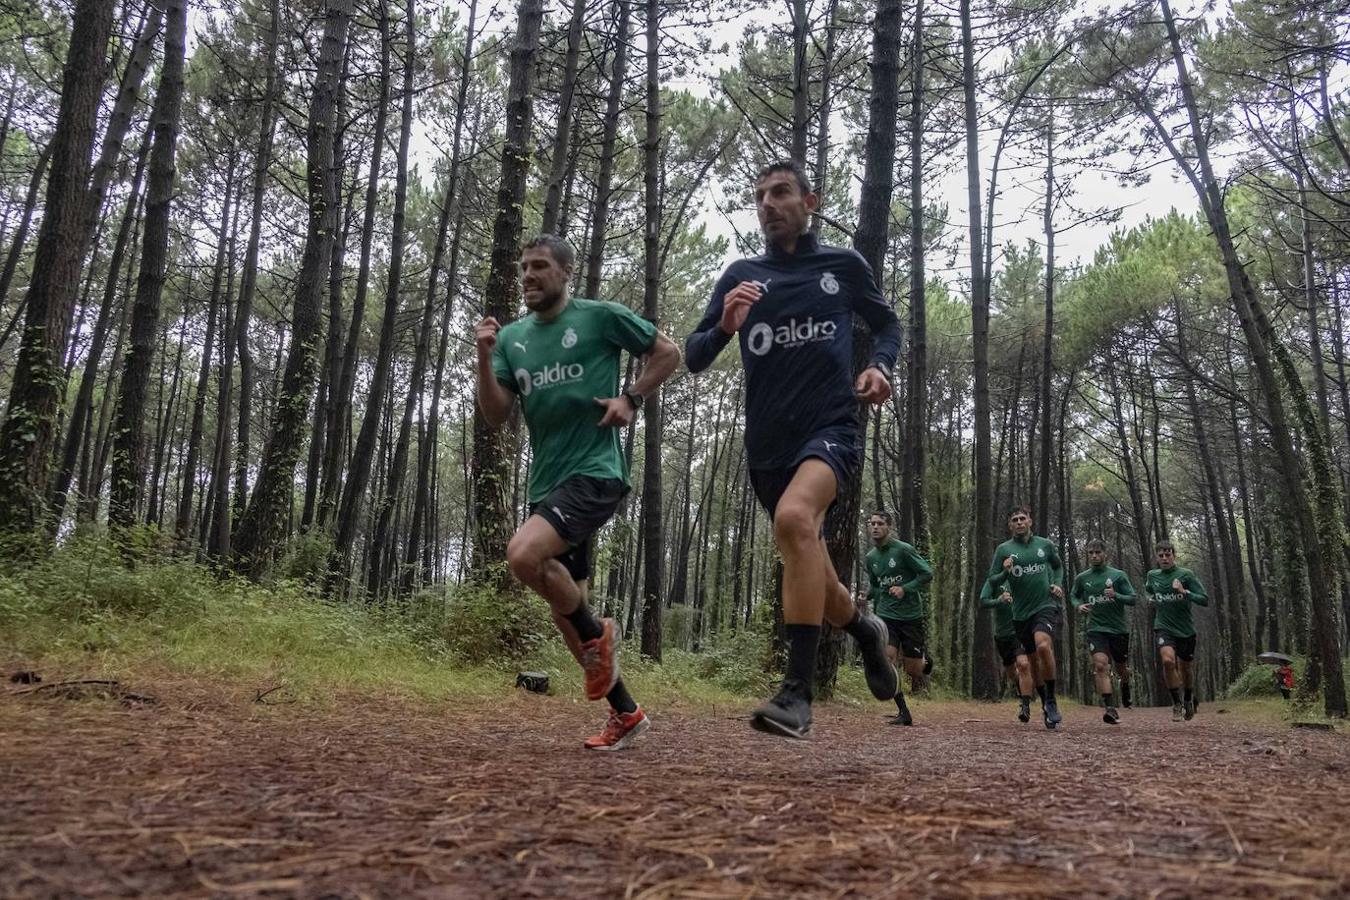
[(85, 611)]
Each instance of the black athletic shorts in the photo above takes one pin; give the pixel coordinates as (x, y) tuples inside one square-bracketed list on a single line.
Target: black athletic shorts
[(1046, 620), (1008, 649), (1117, 646), (1184, 646), (577, 509), (839, 448), (906, 635)]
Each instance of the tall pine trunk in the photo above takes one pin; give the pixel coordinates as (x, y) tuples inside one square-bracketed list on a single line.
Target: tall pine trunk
[(264, 522), (38, 388)]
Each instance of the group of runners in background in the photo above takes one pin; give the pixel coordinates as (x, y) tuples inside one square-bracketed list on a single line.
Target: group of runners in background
[(791, 311)]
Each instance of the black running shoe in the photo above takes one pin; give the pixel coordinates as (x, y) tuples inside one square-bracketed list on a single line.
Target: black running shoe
[(1177, 712), (904, 717), (1188, 709), (882, 679), (1111, 717), (1024, 711), (787, 715), (1052, 716)]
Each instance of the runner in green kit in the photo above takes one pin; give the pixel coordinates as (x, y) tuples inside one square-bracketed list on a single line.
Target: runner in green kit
[(562, 362), (1016, 666), (1027, 569), (898, 575), (1102, 593), (1172, 589)]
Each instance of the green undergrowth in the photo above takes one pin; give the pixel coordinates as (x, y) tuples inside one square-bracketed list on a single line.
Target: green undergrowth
[(89, 611)]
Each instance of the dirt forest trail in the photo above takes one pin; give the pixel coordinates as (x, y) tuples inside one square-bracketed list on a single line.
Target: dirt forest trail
[(210, 794)]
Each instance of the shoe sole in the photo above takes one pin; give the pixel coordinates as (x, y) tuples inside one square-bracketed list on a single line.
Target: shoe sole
[(778, 729), (614, 668), (625, 741), (888, 690)]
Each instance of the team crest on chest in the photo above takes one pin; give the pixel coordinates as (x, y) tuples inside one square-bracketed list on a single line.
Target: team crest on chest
[(569, 339), (829, 284), (892, 564)]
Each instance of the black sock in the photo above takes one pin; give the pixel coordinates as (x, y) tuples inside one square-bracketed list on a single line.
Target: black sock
[(620, 699), (1176, 694), (1125, 691), (1025, 699), (588, 629), (900, 698), (803, 640), (1040, 692), (1190, 695), (860, 630), (1106, 699), (1049, 690)]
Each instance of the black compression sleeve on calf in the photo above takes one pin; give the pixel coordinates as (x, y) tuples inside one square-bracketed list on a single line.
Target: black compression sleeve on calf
[(1107, 698), (1176, 694), (581, 619), (1040, 692), (620, 699), (803, 641), (1049, 689)]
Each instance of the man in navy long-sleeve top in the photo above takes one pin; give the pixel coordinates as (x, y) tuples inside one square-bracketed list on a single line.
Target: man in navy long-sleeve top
[(793, 309)]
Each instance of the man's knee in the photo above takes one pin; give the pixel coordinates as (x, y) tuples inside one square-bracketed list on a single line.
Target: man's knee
[(1099, 665), (1022, 666), (795, 526), (523, 559)]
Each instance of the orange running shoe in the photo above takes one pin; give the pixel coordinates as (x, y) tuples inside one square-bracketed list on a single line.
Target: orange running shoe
[(600, 660), (620, 730)]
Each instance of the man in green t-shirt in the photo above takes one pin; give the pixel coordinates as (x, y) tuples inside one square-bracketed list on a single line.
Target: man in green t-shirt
[(562, 362), (1027, 571), (1016, 665), (1102, 593), (898, 574), (1172, 589)]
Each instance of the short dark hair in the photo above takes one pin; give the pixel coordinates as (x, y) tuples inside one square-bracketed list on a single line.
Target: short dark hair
[(790, 166), (1164, 544), (563, 254), (1096, 544), (883, 515), (1019, 508)]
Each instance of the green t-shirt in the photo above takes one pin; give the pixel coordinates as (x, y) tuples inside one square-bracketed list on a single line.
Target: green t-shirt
[(1036, 566), (897, 563), (558, 369), (1172, 609), (1105, 615), (1003, 620)]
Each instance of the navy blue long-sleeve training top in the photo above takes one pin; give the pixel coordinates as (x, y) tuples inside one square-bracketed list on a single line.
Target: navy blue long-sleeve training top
[(797, 343)]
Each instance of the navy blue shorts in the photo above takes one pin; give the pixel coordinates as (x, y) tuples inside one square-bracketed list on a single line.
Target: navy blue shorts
[(841, 449)]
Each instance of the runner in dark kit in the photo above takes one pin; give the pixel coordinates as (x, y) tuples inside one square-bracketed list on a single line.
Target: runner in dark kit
[(793, 309), (1102, 593), (1028, 573), (562, 362), (1172, 589), (898, 574)]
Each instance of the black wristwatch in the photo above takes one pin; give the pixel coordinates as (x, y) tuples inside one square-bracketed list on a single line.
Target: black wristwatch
[(633, 397)]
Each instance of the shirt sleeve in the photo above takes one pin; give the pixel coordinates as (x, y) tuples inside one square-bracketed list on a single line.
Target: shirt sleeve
[(869, 303), (1076, 593), (1192, 584), (1148, 584), (987, 598), (1056, 566), (626, 329), (923, 572), (501, 369), (1124, 590), (708, 338), (996, 575)]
